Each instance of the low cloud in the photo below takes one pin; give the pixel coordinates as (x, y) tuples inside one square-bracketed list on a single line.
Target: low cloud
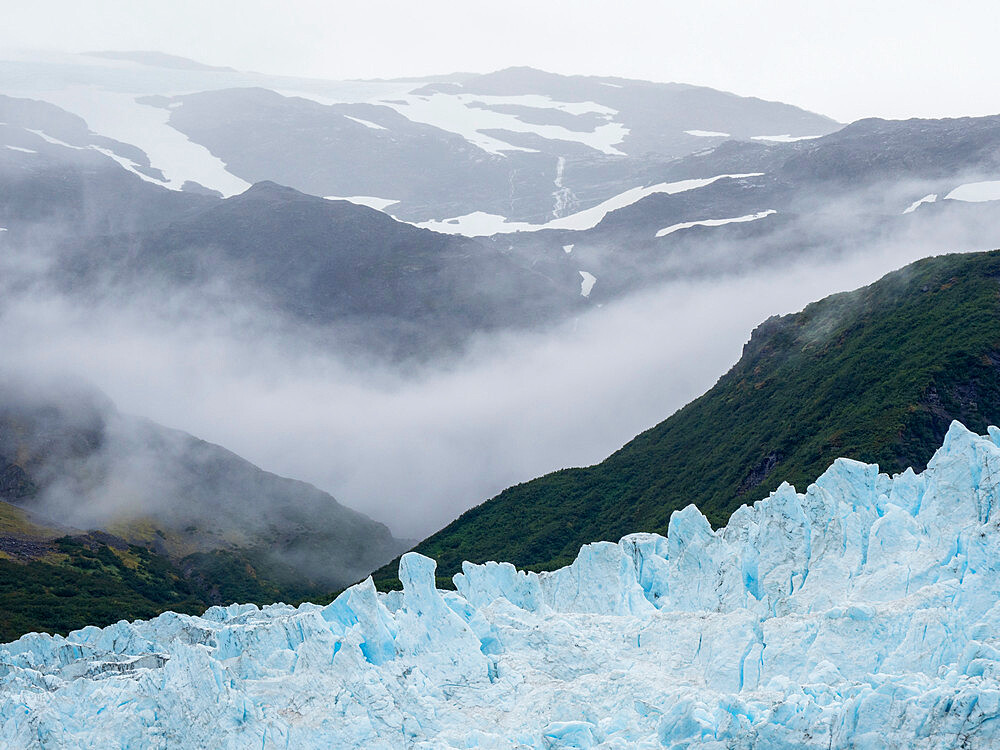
[(414, 446)]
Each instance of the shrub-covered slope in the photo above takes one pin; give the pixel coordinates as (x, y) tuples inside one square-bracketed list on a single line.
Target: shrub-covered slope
[(876, 374)]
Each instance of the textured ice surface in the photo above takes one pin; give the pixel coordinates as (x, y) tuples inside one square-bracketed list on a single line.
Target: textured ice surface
[(861, 614)]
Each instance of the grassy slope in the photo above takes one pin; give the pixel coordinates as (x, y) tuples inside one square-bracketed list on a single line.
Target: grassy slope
[(876, 374), (54, 582)]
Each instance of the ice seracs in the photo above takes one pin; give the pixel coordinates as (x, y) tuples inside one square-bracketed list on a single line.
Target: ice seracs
[(862, 613)]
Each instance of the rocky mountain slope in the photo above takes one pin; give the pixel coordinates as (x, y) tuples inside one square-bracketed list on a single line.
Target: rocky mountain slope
[(96, 223)]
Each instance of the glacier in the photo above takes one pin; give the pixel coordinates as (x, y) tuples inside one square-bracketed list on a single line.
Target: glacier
[(863, 613)]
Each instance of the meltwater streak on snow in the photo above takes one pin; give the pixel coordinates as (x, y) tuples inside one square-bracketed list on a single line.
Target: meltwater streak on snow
[(379, 204), (714, 222), (864, 613), (452, 113), (481, 224), (562, 196), (120, 117), (587, 284), (930, 198), (976, 192)]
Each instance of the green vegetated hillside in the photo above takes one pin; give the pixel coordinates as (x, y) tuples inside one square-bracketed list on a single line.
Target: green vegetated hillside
[(876, 374), (105, 516), (54, 581)]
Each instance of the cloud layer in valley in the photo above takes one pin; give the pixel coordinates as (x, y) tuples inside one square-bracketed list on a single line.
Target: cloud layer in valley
[(415, 446)]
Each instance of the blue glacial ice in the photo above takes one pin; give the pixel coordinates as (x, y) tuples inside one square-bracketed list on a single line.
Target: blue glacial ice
[(864, 613)]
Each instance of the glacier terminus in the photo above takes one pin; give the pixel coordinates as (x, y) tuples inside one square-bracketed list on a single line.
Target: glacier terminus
[(862, 613)]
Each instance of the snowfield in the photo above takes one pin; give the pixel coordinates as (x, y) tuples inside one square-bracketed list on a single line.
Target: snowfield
[(714, 222), (863, 613), (976, 192), (470, 116), (929, 198), (371, 201), (481, 224), (784, 138)]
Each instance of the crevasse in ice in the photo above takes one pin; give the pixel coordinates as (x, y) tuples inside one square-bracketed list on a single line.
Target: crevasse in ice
[(863, 613)]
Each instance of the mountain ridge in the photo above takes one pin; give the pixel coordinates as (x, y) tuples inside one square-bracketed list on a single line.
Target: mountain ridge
[(196, 523), (876, 374)]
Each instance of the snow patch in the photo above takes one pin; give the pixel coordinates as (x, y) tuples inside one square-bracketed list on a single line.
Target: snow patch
[(930, 198), (568, 248), (481, 224), (54, 141), (976, 192), (454, 113), (379, 204), (120, 117), (587, 284), (707, 133), (714, 222), (128, 164), (22, 150), (366, 123), (786, 138)]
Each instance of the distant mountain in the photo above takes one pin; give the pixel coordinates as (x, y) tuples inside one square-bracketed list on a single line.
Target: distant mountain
[(520, 143), (354, 277), (876, 374), (217, 525), (329, 266), (870, 184), (159, 59)]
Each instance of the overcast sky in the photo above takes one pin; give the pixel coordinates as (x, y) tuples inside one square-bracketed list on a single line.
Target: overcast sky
[(847, 59)]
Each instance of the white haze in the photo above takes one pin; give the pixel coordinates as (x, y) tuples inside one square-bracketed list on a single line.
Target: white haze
[(846, 58), (414, 449)]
